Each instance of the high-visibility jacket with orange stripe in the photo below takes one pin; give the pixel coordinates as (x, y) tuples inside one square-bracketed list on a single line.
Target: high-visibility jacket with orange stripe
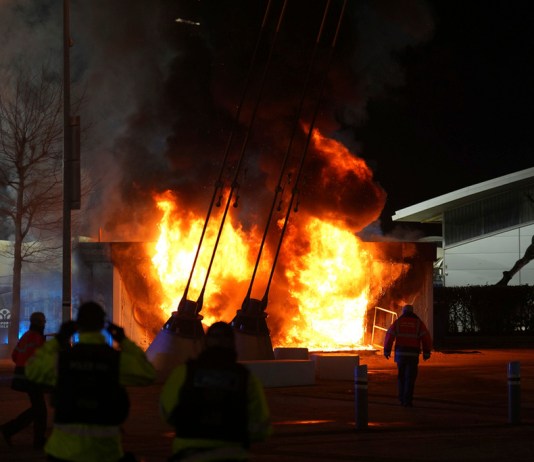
[(410, 336)]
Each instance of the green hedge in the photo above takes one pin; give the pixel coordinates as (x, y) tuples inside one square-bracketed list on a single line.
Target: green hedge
[(484, 310)]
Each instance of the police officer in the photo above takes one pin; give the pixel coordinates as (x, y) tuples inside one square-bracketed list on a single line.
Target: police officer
[(90, 400), (409, 334), (216, 406)]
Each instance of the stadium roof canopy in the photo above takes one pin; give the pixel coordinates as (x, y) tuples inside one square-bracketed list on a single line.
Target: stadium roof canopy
[(432, 210)]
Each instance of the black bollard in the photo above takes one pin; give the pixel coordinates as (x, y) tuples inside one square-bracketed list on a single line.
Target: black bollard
[(514, 393), (360, 396)]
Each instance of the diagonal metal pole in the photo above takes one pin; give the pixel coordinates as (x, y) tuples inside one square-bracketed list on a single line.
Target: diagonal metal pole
[(219, 183), (235, 183), (279, 188), (303, 156)]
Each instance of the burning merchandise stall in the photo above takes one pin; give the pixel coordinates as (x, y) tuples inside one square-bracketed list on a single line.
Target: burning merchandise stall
[(325, 288), (283, 279), (332, 312)]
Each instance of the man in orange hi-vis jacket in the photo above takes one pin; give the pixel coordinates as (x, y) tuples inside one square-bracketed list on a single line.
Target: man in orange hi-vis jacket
[(410, 336)]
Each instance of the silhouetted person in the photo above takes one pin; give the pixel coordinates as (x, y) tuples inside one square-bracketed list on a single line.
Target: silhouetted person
[(216, 405), (37, 412), (409, 334), (90, 400), (526, 258)]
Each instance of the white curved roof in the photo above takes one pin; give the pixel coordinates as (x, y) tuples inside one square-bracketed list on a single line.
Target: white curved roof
[(431, 211)]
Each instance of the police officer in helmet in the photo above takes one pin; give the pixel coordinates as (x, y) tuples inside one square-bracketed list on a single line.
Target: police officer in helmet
[(216, 405), (89, 377)]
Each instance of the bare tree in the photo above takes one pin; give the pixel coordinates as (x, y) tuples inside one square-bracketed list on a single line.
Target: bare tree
[(31, 133)]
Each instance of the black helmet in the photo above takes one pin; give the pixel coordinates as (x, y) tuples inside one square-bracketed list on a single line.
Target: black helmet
[(91, 317), (220, 335)]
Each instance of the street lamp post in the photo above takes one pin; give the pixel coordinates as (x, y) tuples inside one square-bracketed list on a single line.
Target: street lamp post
[(67, 156)]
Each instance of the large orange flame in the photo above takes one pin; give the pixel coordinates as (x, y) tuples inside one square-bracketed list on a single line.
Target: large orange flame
[(330, 288), (325, 279), (175, 250)]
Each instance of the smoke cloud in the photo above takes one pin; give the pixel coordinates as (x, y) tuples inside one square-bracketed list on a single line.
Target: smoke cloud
[(160, 96)]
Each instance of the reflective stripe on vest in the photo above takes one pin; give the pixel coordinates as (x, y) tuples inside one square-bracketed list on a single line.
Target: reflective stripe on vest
[(417, 333)]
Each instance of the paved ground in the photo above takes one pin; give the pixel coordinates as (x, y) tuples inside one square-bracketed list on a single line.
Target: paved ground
[(460, 414)]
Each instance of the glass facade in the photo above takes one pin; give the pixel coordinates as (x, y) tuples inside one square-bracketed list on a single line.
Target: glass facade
[(486, 216)]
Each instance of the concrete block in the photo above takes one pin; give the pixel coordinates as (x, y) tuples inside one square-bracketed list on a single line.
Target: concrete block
[(283, 373), (291, 353), (335, 366)]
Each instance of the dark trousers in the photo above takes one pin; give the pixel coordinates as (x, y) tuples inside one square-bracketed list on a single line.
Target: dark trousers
[(407, 373), (36, 414)]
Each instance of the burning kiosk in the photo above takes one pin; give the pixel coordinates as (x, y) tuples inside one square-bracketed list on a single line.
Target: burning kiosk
[(326, 277), (120, 275), (252, 333)]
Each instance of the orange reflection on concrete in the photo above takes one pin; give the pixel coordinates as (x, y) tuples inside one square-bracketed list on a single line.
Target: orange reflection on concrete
[(303, 422)]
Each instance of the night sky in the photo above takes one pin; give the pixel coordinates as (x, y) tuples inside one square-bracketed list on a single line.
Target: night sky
[(434, 95), (465, 113)]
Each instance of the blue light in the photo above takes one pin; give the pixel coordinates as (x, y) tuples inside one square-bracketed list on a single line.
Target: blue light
[(105, 333), (23, 327)]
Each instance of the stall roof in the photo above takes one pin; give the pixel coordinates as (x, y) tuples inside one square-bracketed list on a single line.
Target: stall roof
[(432, 210)]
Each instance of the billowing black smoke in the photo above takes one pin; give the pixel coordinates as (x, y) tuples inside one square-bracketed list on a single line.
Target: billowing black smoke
[(160, 96)]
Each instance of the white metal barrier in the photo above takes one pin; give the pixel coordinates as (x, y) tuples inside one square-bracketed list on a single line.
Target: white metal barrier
[(391, 315)]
